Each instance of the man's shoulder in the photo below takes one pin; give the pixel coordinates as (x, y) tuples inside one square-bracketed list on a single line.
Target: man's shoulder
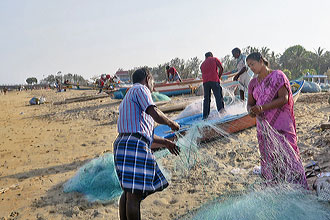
[(210, 60), (139, 87)]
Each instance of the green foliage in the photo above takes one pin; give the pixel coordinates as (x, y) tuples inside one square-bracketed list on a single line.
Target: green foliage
[(228, 63), (310, 71), (48, 80), (287, 73), (327, 73), (186, 69), (295, 61), (72, 78), (31, 80)]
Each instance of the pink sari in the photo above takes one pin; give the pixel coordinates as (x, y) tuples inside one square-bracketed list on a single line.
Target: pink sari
[(276, 132)]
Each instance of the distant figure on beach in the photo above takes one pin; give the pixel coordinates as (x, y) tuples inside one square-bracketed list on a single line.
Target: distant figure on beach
[(270, 99), (136, 167), (172, 74), (58, 85), (211, 73), (4, 90), (243, 75), (101, 82)]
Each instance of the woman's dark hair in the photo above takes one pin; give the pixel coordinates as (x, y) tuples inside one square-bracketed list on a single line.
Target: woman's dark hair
[(257, 57), (140, 74)]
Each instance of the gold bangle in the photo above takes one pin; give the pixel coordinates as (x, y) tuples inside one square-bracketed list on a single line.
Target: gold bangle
[(261, 109)]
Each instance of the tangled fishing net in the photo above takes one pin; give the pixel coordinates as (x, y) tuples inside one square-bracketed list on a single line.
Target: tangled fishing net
[(276, 194), (157, 97), (97, 180), (271, 203)]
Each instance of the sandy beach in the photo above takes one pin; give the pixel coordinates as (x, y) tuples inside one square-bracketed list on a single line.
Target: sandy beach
[(42, 146)]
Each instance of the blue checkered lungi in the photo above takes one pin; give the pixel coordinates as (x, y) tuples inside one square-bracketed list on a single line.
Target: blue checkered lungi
[(136, 166)]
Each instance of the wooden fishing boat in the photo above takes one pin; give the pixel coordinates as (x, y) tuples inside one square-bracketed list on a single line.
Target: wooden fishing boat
[(188, 86), (178, 88), (228, 124), (296, 87)]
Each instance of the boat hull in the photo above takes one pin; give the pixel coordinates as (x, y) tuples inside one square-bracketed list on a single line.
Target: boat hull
[(229, 124), (187, 86)]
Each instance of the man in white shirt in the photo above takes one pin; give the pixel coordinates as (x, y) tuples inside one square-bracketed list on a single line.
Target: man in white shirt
[(243, 73)]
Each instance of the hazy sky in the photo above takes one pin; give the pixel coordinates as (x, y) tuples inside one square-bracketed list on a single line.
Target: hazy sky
[(91, 37)]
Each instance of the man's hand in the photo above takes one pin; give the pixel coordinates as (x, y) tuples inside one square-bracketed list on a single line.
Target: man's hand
[(174, 126), (171, 146)]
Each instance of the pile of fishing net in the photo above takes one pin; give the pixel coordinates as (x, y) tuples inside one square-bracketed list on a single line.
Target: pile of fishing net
[(271, 203), (120, 94), (325, 87), (232, 104), (97, 180), (311, 87), (158, 97), (273, 198), (37, 101)]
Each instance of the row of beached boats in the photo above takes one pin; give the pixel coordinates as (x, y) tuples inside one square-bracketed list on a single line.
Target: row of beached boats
[(187, 86), (226, 124)]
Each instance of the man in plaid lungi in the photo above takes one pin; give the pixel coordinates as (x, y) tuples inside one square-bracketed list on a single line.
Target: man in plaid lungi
[(136, 167)]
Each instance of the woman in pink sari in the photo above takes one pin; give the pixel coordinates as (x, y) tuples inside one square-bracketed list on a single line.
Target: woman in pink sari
[(270, 99)]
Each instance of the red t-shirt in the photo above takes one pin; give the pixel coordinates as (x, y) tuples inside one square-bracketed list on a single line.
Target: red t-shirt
[(209, 69), (171, 71)]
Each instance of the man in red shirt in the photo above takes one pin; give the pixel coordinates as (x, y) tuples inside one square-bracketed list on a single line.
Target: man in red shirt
[(211, 72), (172, 74)]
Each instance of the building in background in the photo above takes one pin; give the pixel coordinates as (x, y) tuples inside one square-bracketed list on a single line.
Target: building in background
[(123, 76), (317, 78)]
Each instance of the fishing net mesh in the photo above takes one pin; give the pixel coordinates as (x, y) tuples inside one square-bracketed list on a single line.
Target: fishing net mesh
[(277, 193), (97, 180), (157, 97)]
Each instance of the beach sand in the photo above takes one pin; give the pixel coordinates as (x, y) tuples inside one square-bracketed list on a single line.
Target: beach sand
[(42, 146)]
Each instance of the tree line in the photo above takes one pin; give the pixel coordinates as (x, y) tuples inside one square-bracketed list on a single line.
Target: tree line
[(295, 62), (50, 79)]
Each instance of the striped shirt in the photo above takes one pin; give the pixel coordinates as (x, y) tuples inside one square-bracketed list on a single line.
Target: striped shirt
[(132, 112)]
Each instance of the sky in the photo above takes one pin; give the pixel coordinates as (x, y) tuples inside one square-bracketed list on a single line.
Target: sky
[(92, 37)]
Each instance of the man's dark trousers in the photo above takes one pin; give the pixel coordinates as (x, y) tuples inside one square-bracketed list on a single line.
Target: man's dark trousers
[(217, 91)]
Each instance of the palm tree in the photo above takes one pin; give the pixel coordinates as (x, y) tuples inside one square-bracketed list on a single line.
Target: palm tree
[(319, 58), (274, 60), (265, 52), (249, 50), (295, 59)]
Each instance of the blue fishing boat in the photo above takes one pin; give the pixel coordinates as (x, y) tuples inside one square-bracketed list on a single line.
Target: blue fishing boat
[(230, 123)]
